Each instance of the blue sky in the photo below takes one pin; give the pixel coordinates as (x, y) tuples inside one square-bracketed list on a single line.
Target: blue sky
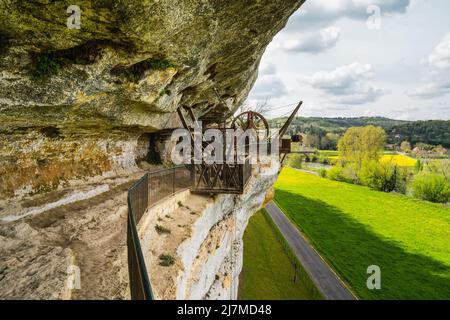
[(342, 58)]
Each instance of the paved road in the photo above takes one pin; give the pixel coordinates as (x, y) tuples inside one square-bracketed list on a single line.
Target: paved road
[(328, 283)]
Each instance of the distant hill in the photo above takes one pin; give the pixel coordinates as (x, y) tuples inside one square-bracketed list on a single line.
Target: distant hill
[(435, 132)]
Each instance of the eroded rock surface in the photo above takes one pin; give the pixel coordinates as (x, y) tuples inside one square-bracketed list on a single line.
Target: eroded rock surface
[(73, 102), (76, 108), (71, 251), (203, 235)]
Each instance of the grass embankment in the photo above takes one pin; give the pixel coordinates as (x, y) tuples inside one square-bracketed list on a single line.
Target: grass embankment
[(268, 271), (354, 227)]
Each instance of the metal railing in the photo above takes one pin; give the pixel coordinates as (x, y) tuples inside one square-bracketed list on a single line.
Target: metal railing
[(147, 191)]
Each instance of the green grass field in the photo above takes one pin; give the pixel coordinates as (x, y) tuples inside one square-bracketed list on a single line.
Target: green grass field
[(267, 272), (354, 227)]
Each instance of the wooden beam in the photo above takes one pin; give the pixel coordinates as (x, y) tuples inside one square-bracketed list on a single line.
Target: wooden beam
[(183, 120), (289, 120), (282, 159)]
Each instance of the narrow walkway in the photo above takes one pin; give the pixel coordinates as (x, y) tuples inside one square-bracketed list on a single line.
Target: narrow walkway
[(328, 283)]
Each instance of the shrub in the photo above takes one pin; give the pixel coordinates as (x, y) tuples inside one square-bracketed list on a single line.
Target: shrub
[(377, 175), (418, 167), (46, 65), (166, 260), (340, 173), (158, 64), (324, 160), (137, 71), (336, 173), (440, 167), (431, 187), (351, 173), (402, 180), (323, 173), (295, 161), (333, 161)]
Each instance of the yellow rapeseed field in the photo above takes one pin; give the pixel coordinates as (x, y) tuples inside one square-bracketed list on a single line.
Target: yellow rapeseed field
[(399, 159)]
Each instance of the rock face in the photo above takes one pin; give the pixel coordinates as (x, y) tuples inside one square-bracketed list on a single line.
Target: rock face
[(76, 250), (74, 102), (76, 110)]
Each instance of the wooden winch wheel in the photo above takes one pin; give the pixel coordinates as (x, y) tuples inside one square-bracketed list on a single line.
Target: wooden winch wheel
[(251, 120)]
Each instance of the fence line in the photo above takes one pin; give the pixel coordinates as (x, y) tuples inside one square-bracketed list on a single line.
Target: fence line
[(146, 192), (140, 287)]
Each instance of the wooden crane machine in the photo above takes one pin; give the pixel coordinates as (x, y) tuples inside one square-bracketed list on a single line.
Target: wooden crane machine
[(230, 177), (285, 143)]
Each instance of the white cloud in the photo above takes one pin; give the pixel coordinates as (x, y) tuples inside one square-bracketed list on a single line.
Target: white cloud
[(406, 110), (392, 52), (315, 42), (364, 94), (267, 69), (440, 58), (268, 85), (342, 78), (439, 62), (430, 90), (348, 84), (404, 113), (325, 12)]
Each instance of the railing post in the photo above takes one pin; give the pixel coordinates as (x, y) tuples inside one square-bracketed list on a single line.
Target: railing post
[(173, 181), (148, 188)]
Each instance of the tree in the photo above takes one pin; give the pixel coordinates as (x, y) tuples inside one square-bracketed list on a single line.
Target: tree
[(361, 144), (261, 107), (405, 146), (333, 139), (440, 150), (329, 141), (295, 161), (312, 141)]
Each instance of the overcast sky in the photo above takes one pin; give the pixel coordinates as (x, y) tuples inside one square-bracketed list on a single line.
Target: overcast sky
[(342, 60)]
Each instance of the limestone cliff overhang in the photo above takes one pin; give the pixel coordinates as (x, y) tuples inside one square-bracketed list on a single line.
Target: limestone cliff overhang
[(131, 63), (75, 103)]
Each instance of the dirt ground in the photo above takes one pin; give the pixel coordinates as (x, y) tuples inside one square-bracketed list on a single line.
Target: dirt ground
[(39, 252)]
